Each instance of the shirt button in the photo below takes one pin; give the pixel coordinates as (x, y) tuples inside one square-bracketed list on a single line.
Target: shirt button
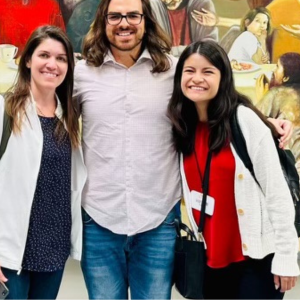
[(245, 247), (241, 212), (241, 176)]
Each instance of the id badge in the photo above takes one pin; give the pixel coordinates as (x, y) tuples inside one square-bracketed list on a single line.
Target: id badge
[(196, 198)]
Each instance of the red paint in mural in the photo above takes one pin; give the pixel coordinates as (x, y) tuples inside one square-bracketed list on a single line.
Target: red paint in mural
[(18, 18)]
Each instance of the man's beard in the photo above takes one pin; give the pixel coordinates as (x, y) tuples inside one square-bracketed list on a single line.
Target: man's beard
[(172, 5)]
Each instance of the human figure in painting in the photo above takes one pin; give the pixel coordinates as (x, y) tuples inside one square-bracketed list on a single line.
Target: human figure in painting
[(258, 3), (67, 7), (250, 45), (285, 25), (280, 98), (207, 18), (284, 12), (80, 21), (19, 18), (175, 17)]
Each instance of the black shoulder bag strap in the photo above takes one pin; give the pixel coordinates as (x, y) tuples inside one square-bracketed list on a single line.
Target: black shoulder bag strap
[(6, 132), (205, 193), (239, 144)]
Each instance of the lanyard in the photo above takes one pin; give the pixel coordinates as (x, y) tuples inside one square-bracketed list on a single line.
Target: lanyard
[(204, 182), (198, 167)]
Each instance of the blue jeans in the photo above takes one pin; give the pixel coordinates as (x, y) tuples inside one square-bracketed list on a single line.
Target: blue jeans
[(144, 262), (32, 285)]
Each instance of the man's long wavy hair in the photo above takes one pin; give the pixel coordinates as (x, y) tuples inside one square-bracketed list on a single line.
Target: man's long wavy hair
[(16, 99), (158, 43), (182, 111)]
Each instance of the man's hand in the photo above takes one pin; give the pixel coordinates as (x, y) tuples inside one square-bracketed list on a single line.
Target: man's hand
[(284, 128), (2, 277), (205, 17), (77, 57), (293, 29), (285, 283)]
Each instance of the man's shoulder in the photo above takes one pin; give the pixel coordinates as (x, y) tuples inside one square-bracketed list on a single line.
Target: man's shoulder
[(173, 63), (82, 66), (173, 59), (83, 71)]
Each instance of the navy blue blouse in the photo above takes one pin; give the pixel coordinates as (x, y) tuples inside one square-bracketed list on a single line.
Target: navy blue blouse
[(49, 234)]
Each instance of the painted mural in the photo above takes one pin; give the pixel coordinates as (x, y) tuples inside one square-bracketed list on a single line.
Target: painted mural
[(261, 37)]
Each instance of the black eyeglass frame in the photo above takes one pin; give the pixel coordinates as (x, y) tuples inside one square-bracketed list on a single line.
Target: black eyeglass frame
[(124, 16)]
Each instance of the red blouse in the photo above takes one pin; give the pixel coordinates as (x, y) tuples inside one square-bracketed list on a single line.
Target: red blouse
[(221, 230)]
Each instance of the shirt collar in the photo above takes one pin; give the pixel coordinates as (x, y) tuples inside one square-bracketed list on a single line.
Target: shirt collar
[(144, 56), (58, 111)]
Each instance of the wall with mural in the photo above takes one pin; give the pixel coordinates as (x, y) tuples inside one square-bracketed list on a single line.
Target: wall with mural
[(261, 37)]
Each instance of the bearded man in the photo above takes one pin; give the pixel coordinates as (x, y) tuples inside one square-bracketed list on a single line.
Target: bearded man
[(174, 16)]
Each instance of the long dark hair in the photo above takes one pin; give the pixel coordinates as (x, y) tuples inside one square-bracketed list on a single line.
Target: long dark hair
[(16, 98), (158, 43), (182, 111)]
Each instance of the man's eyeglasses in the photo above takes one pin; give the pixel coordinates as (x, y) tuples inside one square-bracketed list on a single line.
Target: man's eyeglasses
[(132, 19)]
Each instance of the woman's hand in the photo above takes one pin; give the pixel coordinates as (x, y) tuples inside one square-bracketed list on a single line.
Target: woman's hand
[(265, 58), (284, 129), (261, 86), (205, 17), (2, 277), (285, 283)]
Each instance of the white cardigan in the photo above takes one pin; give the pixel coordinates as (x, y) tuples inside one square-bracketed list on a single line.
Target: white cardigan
[(266, 219), (19, 169)]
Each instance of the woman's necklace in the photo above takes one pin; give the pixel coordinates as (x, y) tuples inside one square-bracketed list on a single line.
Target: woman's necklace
[(45, 114)]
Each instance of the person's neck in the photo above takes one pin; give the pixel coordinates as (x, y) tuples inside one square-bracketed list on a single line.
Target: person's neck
[(45, 102), (126, 58), (202, 111)]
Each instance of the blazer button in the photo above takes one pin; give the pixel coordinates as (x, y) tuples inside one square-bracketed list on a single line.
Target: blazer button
[(241, 212), (241, 176), (245, 247)]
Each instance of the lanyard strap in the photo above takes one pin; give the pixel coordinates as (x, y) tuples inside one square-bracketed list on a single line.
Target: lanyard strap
[(204, 182)]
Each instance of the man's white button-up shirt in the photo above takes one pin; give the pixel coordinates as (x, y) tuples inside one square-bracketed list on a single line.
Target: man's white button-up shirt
[(133, 173)]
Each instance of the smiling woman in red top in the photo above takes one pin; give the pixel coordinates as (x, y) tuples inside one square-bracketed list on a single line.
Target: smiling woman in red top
[(249, 230)]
